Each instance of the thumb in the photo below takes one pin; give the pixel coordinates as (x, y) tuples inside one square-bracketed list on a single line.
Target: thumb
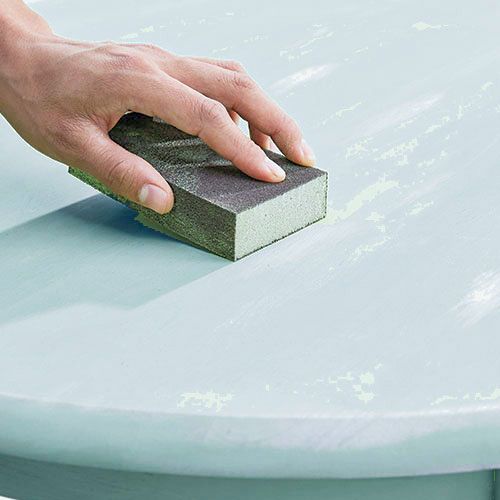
[(125, 173)]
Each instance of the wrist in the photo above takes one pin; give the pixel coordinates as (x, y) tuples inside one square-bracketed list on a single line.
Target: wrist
[(16, 19), (21, 30), (20, 27)]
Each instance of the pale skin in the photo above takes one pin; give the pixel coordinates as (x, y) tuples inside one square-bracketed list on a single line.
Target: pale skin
[(63, 97)]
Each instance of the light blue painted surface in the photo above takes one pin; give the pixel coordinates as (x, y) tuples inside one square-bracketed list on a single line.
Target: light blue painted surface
[(365, 346), (30, 480)]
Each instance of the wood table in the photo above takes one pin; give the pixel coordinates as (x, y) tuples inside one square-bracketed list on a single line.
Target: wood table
[(356, 359)]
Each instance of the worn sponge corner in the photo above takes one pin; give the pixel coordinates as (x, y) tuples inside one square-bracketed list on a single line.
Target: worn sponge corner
[(216, 206)]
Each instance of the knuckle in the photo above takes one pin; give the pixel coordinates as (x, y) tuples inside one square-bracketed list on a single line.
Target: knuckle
[(287, 124), (126, 61), (64, 134), (242, 81), (213, 112), (155, 50), (235, 66), (120, 177), (123, 58), (242, 151), (149, 46)]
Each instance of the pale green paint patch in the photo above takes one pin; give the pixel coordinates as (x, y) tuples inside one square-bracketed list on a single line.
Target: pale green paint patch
[(364, 197), (421, 26), (205, 400)]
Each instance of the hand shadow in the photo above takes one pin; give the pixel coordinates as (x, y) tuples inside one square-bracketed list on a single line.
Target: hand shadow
[(92, 251)]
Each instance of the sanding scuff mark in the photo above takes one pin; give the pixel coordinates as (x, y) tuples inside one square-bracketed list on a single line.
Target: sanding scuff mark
[(473, 100), (437, 126), (482, 300), (319, 34), (369, 248), (256, 38), (302, 47), (400, 152), (486, 86), (357, 150), (426, 163), (420, 207), (442, 399), (129, 36), (495, 394), (291, 57), (377, 218), (478, 396), (221, 49), (401, 115), (309, 74), (367, 195), (342, 112), (359, 385), (461, 110), (209, 400), (421, 26), (405, 123)]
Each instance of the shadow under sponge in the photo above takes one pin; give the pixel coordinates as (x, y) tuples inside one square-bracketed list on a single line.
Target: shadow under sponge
[(217, 207)]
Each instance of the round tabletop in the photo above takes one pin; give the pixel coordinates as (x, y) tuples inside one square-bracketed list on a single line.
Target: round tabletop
[(362, 346)]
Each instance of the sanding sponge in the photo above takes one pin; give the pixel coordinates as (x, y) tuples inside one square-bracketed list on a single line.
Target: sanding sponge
[(217, 207)]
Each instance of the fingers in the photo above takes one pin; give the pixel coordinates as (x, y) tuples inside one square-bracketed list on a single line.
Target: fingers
[(257, 136), (163, 57), (234, 116), (195, 114), (124, 173), (237, 91), (261, 139)]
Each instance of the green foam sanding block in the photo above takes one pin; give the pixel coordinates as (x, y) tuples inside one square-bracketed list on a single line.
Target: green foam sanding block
[(217, 207)]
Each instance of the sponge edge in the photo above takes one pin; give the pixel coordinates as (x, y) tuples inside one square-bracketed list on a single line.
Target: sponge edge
[(279, 217), (217, 207)]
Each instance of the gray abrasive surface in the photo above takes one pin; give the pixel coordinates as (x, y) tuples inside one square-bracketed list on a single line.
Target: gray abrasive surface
[(216, 206)]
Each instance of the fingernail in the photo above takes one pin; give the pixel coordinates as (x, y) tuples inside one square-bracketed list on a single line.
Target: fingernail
[(307, 154), (276, 171), (155, 198)]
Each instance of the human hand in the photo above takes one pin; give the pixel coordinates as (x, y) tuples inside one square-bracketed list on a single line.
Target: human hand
[(63, 97)]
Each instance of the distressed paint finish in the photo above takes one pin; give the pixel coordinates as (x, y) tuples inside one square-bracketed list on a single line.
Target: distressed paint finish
[(364, 346)]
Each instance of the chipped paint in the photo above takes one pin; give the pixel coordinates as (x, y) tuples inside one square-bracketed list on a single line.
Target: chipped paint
[(420, 207), (482, 300), (356, 150), (421, 26), (368, 248), (478, 396), (208, 400), (400, 152), (342, 112), (364, 197), (444, 120)]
